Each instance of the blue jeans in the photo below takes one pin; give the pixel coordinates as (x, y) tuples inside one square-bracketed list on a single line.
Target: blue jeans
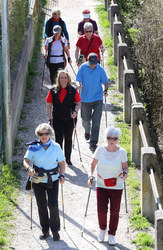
[(92, 111)]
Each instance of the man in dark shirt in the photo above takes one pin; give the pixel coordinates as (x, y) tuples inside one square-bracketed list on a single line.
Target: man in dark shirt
[(86, 18)]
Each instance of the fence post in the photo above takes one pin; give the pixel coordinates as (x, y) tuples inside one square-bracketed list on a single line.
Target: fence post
[(121, 51), (137, 114), (129, 78), (117, 28), (158, 229), (6, 83), (148, 158), (113, 10), (108, 9)]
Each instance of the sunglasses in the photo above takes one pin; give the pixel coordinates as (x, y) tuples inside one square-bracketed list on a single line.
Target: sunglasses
[(88, 31), (56, 14), (112, 138), (41, 134)]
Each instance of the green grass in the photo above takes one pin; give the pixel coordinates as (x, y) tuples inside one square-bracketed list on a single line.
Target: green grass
[(144, 241), (9, 186), (107, 40)]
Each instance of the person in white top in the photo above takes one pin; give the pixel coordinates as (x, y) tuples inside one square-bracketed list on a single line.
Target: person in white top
[(55, 48), (112, 170)]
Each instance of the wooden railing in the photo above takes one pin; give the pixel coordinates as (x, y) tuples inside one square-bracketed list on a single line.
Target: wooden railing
[(142, 152)]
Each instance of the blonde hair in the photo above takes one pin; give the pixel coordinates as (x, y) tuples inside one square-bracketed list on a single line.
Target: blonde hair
[(58, 85)]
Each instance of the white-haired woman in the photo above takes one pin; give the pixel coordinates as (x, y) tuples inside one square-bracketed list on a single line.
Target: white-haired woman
[(112, 170), (56, 20), (45, 163)]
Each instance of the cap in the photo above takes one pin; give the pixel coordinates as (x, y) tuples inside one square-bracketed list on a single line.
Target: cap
[(57, 29), (86, 11), (92, 58)]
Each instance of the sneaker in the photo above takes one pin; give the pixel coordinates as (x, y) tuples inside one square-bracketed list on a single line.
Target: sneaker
[(92, 147), (43, 236), (101, 235), (111, 240), (56, 236), (87, 136)]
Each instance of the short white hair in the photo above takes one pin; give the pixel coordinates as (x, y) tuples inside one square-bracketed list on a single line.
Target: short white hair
[(113, 132), (56, 9), (88, 25), (43, 126)]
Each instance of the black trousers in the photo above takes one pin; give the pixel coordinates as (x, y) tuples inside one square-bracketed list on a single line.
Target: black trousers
[(54, 68), (64, 130), (47, 198)]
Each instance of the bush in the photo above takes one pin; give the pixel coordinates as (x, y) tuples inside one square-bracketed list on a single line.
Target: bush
[(18, 13)]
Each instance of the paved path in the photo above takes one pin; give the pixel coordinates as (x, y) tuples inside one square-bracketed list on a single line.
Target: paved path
[(75, 187)]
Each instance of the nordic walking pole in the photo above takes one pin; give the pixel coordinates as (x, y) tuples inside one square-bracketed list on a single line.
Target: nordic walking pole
[(63, 207), (106, 113), (31, 205), (77, 140), (86, 208), (126, 204), (73, 69)]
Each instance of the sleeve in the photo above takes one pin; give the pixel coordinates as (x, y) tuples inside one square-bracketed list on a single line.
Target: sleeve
[(104, 78), (79, 75), (29, 155), (96, 154), (77, 97), (47, 42), (65, 31), (95, 26), (124, 156), (49, 97), (100, 41), (78, 42), (60, 154), (79, 28), (46, 30)]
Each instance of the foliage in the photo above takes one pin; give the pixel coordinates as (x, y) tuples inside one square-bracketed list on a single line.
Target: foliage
[(18, 13), (107, 40), (144, 241), (9, 185)]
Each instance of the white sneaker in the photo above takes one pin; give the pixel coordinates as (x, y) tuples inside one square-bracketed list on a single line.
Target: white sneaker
[(101, 235), (111, 240)]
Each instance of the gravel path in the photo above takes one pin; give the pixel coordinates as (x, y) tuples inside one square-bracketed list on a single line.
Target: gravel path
[(75, 188)]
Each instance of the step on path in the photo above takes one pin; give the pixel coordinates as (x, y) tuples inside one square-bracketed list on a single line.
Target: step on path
[(75, 188)]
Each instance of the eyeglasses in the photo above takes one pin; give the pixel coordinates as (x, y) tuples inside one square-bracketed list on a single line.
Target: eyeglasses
[(41, 134), (56, 14), (88, 31), (112, 138)]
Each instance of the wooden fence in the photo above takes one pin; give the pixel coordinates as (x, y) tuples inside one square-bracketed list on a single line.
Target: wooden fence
[(142, 152)]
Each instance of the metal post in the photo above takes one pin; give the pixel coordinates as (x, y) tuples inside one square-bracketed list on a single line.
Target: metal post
[(6, 82)]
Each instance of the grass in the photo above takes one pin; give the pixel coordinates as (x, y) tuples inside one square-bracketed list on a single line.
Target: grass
[(107, 40), (9, 186), (143, 240)]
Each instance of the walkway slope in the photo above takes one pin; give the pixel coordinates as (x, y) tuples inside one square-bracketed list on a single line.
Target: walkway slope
[(75, 188)]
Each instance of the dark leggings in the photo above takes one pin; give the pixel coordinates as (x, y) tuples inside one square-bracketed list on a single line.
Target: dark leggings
[(64, 130), (54, 68)]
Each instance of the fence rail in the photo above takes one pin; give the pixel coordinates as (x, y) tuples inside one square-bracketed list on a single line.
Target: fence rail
[(142, 153)]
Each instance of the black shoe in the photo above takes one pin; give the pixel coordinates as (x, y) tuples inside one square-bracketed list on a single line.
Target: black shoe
[(43, 236), (56, 236), (87, 136), (69, 163), (92, 147)]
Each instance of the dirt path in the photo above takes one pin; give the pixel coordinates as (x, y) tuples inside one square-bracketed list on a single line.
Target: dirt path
[(75, 187)]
